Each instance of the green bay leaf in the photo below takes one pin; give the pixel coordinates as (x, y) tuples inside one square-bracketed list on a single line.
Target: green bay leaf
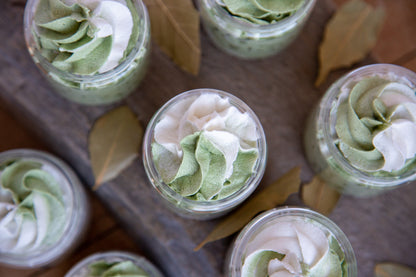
[(175, 28), (319, 196), (349, 36), (393, 270), (114, 142)]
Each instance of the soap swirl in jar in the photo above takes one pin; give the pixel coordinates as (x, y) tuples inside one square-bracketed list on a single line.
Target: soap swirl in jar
[(293, 248), (376, 125), (86, 36), (32, 209), (261, 12), (205, 148)]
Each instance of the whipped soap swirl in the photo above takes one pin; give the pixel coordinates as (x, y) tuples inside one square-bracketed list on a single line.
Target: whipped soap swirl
[(376, 125), (205, 148), (32, 211), (261, 11), (293, 248), (86, 36), (115, 269)]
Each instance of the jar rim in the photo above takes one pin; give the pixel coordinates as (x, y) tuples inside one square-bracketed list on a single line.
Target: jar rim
[(326, 117), (44, 64), (265, 218), (194, 206), (140, 261)]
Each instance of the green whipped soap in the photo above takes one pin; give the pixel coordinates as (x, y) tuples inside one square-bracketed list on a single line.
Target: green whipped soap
[(376, 126), (205, 148), (86, 37), (115, 269), (32, 210), (294, 248), (261, 11)]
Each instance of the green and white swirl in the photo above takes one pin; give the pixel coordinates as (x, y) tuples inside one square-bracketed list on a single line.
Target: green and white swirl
[(376, 125), (86, 36), (32, 209), (293, 248), (205, 148), (261, 12)]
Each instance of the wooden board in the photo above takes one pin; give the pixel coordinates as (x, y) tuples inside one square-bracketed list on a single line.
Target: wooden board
[(280, 90)]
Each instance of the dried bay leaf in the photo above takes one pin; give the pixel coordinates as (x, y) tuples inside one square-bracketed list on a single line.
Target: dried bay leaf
[(175, 28), (349, 36), (393, 270), (273, 195), (114, 142), (319, 196)]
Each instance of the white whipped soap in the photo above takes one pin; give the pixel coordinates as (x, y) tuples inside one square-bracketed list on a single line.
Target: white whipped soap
[(293, 248), (204, 147)]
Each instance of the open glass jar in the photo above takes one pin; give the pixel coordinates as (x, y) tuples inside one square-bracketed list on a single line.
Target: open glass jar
[(204, 152), (113, 263), (291, 240), (43, 209), (248, 40), (111, 82), (360, 138)]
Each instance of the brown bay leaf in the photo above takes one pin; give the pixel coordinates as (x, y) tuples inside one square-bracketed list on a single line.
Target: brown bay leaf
[(175, 28), (273, 195), (319, 196), (393, 270), (349, 36), (114, 142)]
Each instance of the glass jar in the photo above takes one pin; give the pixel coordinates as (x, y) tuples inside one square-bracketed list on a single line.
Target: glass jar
[(200, 209), (238, 251), (320, 137), (248, 40), (76, 209), (81, 269), (101, 88)]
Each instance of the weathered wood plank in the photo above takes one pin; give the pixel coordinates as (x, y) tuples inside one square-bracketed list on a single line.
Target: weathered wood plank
[(16, 136), (114, 239), (280, 90)]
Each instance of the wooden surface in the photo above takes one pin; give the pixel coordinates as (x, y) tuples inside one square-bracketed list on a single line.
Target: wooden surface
[(104, 233), (279, 90)]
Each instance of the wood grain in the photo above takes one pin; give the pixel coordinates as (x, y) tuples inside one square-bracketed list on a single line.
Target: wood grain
[(13, 135), (280, 90)]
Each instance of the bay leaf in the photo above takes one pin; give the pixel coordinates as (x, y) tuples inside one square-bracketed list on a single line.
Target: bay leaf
[(114, 142), (393, 270), (175, 28), (320, 196), (273, 195), (349, 36)]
